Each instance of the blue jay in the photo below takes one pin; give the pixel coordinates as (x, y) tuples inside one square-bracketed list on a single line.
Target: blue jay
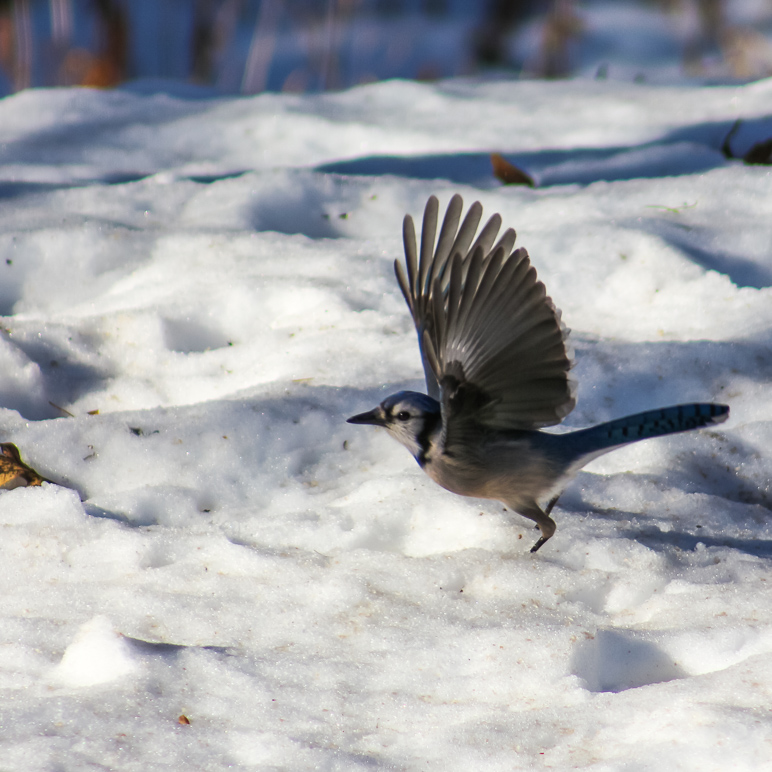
[(496, 362)]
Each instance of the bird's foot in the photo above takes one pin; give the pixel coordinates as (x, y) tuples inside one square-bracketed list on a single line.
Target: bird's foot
[(539, 543)]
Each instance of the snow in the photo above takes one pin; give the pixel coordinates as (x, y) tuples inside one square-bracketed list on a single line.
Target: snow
[(214, 277)]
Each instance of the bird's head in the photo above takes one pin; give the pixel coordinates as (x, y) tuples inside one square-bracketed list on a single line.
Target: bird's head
[(411, 418)]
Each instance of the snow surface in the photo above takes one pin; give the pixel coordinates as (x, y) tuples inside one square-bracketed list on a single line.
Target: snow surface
[(214, 277)]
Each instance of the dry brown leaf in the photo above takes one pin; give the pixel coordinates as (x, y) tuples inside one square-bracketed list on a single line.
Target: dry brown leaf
[(14, 473), (508, 173)]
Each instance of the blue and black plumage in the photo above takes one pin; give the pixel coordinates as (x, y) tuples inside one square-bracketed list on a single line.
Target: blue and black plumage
[(495, 355)]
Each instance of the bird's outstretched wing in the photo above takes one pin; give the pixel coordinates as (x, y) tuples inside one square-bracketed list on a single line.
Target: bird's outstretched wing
[(492, 344)]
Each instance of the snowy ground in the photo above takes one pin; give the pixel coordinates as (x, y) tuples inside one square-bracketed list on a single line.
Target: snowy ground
[(214, 278)]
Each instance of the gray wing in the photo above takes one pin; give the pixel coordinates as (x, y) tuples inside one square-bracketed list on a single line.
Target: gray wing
[(431, 266), (492, 343)]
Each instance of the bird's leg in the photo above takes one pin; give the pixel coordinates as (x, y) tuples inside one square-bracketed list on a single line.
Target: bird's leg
[(547, 525), (543, 521), (547, 529)]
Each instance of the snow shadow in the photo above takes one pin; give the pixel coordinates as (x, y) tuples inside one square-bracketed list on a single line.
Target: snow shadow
[(614, 661), (670, 542), (740, 135), (638, 376), (689, 150), (188, 335), (292, 439), (656, 539), (14, 189), (690, 239), (702, 472), (316, 208), (62, 376), (635, 377), (301, 210), (463, 168), (84, 136), (168, 650), (578, 166)]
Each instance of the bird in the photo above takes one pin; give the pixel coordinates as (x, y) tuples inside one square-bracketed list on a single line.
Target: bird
[(496, 358)]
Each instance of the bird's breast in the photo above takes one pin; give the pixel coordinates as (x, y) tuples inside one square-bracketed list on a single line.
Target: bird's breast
[(496, 470)]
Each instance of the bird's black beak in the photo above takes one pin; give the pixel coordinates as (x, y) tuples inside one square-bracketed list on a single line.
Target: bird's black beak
[(374, 417)]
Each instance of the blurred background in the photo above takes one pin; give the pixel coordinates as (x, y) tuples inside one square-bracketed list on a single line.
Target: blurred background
[(249, 46)]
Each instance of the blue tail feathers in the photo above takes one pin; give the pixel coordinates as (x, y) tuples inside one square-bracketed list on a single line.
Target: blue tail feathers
[(652, 423), (668, 420)]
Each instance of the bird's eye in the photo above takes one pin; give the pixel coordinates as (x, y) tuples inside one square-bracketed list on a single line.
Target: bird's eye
[(403, 415)]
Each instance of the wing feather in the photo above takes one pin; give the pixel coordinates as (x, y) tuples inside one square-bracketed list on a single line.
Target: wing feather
[(488, 233), (428, 231), (408, 283), (507, 242), (468, 229), (492, 343), (447, 238), (404, 285)]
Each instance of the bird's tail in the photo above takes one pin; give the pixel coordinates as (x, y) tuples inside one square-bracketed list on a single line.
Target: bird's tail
[(600, 439)]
